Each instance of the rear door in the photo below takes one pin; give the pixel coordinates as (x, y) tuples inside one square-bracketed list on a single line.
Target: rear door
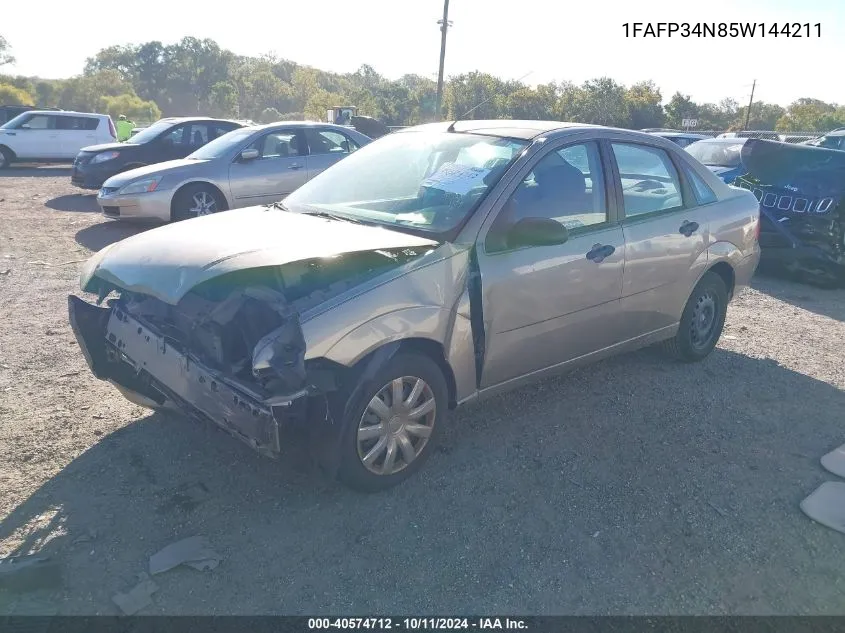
[(76, 132), (666, 236), (325, 148), (279, 169)]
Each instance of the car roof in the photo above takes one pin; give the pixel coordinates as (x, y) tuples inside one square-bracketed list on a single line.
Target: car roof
[(838, 132), (677, 134), (181, 119), (64, 112), (725, 140), (519, 129), (265, 126)]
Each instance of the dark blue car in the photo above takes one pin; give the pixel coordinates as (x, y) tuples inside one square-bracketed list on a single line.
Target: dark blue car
[(721, 156)]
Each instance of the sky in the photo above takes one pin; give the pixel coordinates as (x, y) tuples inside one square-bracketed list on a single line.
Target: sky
[(553, 40)]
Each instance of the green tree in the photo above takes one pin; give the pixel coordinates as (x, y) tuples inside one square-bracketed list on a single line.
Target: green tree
[(644, 105), (602, 101), (12, 95), (811, 115), (223, 99), (680, 107), (131, 105), (6, 56), (269, 115)]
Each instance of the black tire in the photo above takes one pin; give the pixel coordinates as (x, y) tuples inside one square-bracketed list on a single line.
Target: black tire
[(692, 343), (5, 158), (186, 202), (410, 366)]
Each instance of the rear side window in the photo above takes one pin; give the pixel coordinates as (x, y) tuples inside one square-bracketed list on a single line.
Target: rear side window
[(703, 193), (650, 183), (77, 123)]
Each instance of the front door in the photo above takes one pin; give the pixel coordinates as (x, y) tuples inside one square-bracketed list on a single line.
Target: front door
[(666, 238), (38, 137), (325, 148), (279, 169), (544, 305)]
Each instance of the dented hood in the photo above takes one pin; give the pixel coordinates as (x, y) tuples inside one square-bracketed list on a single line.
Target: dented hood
[(812, 171), (167, 262)]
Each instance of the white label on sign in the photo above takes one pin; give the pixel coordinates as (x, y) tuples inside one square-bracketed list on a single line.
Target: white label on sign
[(689, 122), (459, 179)]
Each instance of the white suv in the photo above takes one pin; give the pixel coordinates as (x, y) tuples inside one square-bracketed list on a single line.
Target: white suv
[(50, 135)]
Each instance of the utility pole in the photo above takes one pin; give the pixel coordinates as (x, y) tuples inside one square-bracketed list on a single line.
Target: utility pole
[(750, 101), (444, 26)]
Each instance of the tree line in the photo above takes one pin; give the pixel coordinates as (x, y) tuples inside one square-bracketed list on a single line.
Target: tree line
[(197, 76)]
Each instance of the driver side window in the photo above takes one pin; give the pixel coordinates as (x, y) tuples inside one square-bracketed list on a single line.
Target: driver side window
[(566, 185)]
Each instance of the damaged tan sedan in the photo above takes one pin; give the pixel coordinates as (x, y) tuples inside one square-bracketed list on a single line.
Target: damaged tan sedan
[(434, 267)]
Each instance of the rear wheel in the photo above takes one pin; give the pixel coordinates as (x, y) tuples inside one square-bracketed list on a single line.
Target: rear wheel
[(702, 320), (195, 201)]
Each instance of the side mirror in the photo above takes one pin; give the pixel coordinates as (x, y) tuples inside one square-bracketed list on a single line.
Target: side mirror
[(537, 232), (249, 154)]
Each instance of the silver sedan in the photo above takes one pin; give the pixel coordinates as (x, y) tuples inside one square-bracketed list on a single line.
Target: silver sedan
[(438, 265), (248, 166)]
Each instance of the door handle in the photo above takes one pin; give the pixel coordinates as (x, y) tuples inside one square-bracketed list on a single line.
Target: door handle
[(295, 166), (12, 133), (688, 228), (600, 251)]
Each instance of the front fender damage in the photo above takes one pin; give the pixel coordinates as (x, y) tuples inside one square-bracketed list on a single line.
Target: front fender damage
[(232, 351)]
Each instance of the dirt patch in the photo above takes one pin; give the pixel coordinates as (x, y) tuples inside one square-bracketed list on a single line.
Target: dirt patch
[(633, 486)]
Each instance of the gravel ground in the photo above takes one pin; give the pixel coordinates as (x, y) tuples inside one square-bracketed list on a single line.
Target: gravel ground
[(635, 486)]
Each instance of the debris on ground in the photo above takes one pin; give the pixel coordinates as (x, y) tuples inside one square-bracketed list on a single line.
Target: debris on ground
[(86, 537), (185, 498), (29, 573), (137, 598), (827, 505), (834, 461), (195, 552)]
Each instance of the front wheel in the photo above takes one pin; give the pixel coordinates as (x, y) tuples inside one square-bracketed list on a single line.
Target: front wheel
[(702, 320), (392, 426), (196, 200), (5, 158)]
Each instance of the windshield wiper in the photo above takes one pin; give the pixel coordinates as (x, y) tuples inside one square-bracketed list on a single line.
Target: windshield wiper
[(333, 216)]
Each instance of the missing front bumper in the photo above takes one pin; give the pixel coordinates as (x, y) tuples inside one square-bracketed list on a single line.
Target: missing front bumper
[(151, 371)]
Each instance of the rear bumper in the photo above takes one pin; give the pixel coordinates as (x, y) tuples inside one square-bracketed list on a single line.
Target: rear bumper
[(745, 268), (152, 372)]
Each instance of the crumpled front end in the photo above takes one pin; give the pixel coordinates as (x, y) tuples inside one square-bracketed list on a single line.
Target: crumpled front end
[(232, 350), (801, 191)]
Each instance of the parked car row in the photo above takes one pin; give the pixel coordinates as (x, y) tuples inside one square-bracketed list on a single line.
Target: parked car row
[(434, 266)]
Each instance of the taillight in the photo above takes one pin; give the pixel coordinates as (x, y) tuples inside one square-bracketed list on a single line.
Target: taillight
[(112, 130)]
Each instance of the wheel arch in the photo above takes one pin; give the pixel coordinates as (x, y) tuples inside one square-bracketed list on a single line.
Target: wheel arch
[(192, 183), (428, 347), (727, 273)]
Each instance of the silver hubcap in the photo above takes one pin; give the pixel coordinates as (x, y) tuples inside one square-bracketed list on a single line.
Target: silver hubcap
[(203, 203), (703, 320), (396, 425)]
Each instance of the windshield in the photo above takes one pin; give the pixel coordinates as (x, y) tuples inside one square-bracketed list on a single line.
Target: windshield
[(716, 154), (222, 144), (13, 123), (147, 135), (429, 181)]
